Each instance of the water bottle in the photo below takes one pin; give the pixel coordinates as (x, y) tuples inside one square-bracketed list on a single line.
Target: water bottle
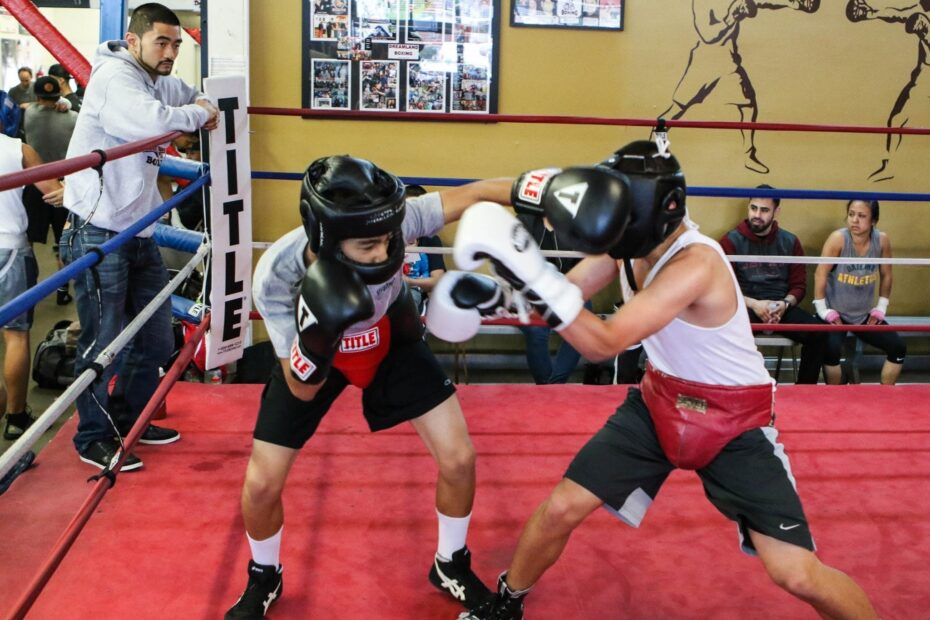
[(213, 377)]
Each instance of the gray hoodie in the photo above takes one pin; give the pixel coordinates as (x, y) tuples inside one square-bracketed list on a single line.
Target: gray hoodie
[(124, 104)]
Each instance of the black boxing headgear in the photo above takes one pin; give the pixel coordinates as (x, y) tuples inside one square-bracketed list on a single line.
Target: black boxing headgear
[(344, 197), (656, 181)]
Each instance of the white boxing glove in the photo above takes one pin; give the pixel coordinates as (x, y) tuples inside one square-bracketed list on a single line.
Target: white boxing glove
[(488, 230), (459, 301)]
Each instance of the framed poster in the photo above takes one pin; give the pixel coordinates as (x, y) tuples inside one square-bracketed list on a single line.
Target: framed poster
[(580, 14), (422, 56)]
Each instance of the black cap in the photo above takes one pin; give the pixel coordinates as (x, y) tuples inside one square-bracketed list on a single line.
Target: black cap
[(47, 87), (59, 71)]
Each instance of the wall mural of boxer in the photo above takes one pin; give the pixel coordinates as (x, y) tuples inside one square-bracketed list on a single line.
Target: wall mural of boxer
[(715, 66), (911, 106)]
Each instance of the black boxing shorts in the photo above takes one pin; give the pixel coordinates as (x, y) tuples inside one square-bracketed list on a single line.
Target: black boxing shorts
[(407, 383)]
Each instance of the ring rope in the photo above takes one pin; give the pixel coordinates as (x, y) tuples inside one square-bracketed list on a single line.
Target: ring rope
[(762, 327), (64, 167), (9, 458), (695, 190), (581, 120), (103, 484), (31, 297), (733, 258)]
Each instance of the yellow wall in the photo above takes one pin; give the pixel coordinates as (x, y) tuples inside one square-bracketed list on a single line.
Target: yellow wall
[(817, 68)]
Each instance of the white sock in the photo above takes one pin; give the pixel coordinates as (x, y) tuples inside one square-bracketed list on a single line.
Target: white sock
[(452, 534), (268, 551)]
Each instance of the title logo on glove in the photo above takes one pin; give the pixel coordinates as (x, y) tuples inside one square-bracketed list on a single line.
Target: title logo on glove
[(534, 183), (572, 196), (305, 318), (301, 365)]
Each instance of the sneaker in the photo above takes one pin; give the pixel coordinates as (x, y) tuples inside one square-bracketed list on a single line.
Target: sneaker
[(24, 463), (63, 297), (157, 435), (265, 587), (455, 578), (16, 424), (103, 452), (505, 605)]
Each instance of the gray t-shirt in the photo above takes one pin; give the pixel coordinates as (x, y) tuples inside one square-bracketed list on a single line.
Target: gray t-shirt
[(851, 288), (21, 94), (281, 268), (49, 131)]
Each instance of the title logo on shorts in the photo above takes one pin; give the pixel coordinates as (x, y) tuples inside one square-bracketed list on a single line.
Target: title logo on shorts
[(533, 184), (368, 339), (691, 403)]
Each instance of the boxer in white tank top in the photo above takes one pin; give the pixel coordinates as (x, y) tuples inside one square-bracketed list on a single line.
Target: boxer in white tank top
[(706, 402)]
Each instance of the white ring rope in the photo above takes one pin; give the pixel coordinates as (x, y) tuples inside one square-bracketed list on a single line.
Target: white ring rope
[(9, 458), (734, 258)]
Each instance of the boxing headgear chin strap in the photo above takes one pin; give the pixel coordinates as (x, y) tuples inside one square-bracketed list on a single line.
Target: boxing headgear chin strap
[(655, 181), (344, 197)]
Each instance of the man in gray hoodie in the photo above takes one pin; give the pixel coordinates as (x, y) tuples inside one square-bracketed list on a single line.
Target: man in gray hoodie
[(130, 96)]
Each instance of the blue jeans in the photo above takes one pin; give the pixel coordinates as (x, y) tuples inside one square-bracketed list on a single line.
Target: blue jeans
[(129, 278), (544, 368)]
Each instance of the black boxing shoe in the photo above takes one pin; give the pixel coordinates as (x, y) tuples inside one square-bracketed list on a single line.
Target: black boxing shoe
[(455, 578), (17, 423), (505, 605), (264, 588)]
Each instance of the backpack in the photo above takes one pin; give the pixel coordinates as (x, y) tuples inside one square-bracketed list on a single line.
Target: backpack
[(53, 364), (10, 115)]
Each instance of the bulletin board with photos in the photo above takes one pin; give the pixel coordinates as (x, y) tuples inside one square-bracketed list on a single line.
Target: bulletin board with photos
[(425, 56), (583, 14)]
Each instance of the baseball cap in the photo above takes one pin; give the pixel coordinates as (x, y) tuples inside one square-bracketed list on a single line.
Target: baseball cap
[(59, 71), (47, 87)]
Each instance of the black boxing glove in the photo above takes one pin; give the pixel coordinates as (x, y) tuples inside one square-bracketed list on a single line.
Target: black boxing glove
[(406, 326), (858, 10), (587, 205), (743, 9), (331, 298), (919, 24)]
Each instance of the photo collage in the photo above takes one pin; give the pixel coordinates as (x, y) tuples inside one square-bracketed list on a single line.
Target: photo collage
[(586, 14), (425, 56)]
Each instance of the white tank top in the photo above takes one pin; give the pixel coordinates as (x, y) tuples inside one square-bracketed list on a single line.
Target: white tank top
[(13, 221), (724, 355)]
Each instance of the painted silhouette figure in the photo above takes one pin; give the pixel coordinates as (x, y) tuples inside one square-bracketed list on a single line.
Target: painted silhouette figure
[(910, 108), (715, 65)]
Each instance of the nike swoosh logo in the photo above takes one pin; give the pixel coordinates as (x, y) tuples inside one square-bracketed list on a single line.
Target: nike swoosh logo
[(782, 526)]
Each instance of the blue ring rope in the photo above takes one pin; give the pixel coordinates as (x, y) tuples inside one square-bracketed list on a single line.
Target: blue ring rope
[(720, 192), (31, 297)]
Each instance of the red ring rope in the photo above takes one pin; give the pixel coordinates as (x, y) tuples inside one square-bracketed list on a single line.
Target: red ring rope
[(58, 169), (579, 120), (67, 538)]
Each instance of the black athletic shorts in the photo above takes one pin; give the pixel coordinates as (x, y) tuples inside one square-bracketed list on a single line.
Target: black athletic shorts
[(750, 481), (408, 383), (41, 215)]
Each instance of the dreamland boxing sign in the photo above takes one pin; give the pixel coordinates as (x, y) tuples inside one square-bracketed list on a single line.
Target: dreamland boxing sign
[(231, 219)]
